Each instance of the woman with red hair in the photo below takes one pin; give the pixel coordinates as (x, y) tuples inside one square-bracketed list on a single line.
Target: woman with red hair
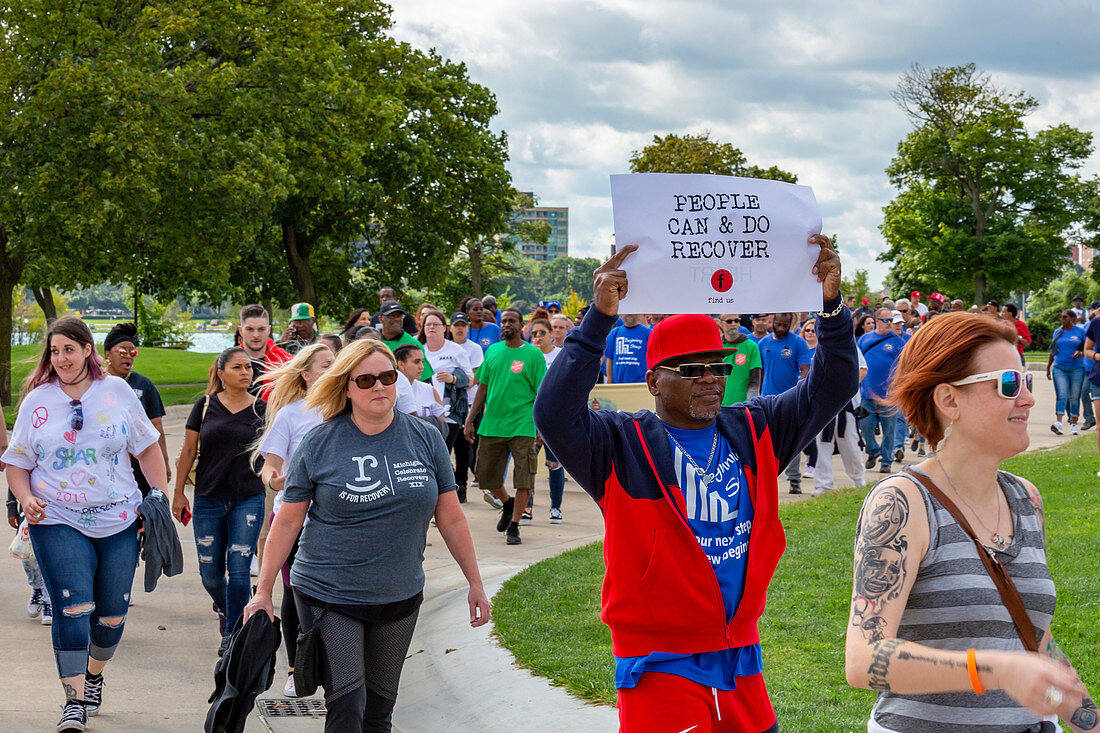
[(952, 600)]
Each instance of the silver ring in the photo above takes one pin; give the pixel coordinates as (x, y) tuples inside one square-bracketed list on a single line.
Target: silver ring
[(1053, 696)]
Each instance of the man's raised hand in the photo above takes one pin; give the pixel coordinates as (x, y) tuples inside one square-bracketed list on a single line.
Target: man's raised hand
[(609, 282), (827, 267)]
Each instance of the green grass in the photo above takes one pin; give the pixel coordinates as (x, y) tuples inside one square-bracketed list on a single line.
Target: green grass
[(548, 615)]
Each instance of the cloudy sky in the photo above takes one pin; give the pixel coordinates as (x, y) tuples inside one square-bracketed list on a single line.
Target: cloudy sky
[(803, 84)]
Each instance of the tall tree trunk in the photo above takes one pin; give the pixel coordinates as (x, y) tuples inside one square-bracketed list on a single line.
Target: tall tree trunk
[(475, 268), (44, 298), (11, 269), (979, 289), (297, 247)]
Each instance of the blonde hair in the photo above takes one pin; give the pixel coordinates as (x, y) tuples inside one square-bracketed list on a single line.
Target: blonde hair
[(288, 386), (330, 393)]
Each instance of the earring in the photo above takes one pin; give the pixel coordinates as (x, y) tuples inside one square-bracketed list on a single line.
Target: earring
[(946, 433)]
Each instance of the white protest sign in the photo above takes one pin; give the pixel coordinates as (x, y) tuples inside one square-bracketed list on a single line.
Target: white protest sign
[(716, 244)]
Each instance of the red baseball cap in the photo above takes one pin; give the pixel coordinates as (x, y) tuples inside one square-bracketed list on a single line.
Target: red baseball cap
[(937, 296), (914, 295), (866, 301), (687, 333)]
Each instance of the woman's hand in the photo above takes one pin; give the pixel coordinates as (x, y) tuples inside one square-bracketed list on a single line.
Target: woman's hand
[(277, 482), (179, 503), (445, 377), (1028, 677), (479, 606), (261, 601), (34, 510), (14, 522), (1048, 375)]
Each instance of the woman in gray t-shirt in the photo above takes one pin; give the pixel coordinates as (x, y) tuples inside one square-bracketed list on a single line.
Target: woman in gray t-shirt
[(370, 479), (928, 629)]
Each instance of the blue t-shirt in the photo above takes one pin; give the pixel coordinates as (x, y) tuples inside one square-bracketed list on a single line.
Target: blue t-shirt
[(1065, 344), (781, 359), (1092, 331), (720, 514), (486, 336), (880, 362), (757, 339), (626, 347)]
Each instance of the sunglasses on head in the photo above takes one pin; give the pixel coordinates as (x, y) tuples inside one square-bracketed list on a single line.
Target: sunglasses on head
[(1009, 381), (366, 381), (695, 370), (76, 418)]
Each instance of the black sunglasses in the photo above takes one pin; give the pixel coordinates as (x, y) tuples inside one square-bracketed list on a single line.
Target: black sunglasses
[(696, 370), (366, 381), (76, 419)]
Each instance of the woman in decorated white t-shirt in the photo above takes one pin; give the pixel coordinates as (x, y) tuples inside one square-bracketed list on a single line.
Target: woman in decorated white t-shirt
[(68, 464)]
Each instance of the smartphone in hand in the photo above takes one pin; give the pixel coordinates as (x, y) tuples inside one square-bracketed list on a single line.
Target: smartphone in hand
[(185, 516)]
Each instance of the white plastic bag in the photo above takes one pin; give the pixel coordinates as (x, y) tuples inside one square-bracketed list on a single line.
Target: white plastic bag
[(21, 546)]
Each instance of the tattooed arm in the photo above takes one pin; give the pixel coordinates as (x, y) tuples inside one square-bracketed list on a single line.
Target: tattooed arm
[(1078, 709), (891, 539)]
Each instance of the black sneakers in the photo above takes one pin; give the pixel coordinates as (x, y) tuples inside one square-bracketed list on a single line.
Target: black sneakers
[(506, 514), (512, 538), (461, 491), (74, 716), (870, 462), (796, 488), (93, 693)]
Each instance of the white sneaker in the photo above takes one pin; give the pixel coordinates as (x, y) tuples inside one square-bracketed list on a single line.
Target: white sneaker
[(288, 688), (47, 614), (1056, 428), (1073, 429), (555, 516), (808, 472), (492, 500), (820, 490), (34, 605), (254, 568)]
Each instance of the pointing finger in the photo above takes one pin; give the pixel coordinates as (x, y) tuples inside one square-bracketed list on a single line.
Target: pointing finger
[(617, 258)]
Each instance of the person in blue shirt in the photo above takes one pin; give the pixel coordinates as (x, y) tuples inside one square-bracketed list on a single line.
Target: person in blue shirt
[(786, 359), (1066, 350), (881, 348), (901, 428), (761, 326), (625, 351), (482, 332)]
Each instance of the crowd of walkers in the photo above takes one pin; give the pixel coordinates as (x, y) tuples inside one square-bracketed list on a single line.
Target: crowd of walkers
[(320, 459)]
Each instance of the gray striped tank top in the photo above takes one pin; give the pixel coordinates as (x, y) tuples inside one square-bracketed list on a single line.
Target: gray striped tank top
[(954, 605)]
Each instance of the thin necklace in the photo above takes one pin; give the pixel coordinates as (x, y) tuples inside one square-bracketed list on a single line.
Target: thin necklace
[(997, 538), (704, 477)]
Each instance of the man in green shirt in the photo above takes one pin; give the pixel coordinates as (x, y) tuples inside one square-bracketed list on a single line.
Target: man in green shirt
[(744, 355), (391, 318), (509, 379)]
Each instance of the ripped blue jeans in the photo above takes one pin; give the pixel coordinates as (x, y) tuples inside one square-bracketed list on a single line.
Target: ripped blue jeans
[(89, 581), (226, 532)]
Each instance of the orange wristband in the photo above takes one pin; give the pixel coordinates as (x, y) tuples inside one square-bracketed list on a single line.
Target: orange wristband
[(972, 668)]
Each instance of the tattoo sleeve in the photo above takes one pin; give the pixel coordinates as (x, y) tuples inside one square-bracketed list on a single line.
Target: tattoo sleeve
[(880, 664), (879, 561)]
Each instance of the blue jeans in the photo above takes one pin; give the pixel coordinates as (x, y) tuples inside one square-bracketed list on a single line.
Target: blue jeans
[(901, 431), (89, 581), (886, 416), (557, 479), (1067, 389), (226, 532), (1086, 399)]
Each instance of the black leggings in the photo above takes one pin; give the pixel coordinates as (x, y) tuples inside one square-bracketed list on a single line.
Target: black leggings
[(289, 611), (463, 451), (361, 669)]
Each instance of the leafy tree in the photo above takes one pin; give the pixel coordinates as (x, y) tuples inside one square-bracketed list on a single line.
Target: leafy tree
[(856, 285), (983, 204), (699, 154)]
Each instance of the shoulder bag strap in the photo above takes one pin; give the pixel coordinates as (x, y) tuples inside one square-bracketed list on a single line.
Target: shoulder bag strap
[(205, 407), (1007, 589)]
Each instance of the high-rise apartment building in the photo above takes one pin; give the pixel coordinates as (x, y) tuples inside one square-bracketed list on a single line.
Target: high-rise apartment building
[(557, 244)]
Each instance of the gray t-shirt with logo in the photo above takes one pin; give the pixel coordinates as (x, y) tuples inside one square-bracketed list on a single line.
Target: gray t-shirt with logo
[(372, 498)]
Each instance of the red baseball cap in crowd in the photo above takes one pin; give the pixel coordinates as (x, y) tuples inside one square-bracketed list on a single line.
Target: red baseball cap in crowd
[(915, 295), (687, 333), (866, 301), (937, 296)]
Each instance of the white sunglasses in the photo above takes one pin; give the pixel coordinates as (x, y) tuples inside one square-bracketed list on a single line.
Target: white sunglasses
[(1009, 381)]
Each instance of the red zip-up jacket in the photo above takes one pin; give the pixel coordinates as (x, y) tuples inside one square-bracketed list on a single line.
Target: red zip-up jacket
[(660, 592)]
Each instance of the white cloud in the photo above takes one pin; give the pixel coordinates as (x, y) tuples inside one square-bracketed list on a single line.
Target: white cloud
[(802, 84)]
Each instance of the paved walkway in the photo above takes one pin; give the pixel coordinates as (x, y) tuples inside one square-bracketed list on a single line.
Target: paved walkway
[(455, 678)]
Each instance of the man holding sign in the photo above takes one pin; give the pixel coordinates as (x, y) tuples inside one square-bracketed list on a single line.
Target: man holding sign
[(689, 496)]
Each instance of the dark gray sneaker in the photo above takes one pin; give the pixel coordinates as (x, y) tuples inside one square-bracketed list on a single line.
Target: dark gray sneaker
[(93, 693), (513, 538), (506, 514)]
